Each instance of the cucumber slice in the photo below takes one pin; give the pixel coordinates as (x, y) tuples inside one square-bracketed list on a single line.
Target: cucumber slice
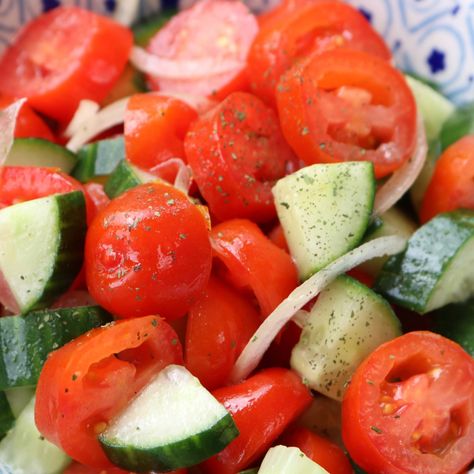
[(324, 211), (18, 398), (26, 341), (173, 422), (39, 152), (283, 460), (459, 124), (41, 249), (99, 159), (347, 322), (437, 267), (25, 451), (6, 415), (126, 176)]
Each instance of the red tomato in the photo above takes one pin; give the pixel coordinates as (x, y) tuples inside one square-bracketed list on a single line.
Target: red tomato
[(313, 27), (410, 407), (237, 152), (252, 260), (215, 32), (452, 184), (322, 451), (28, 123), (89, 380), (148, 252), (262, 407), (279, 352), (277, 236), (219, 326), (74, 298), (77, 468), (155, 127), (97, 195), (62, 57), (346, 105)]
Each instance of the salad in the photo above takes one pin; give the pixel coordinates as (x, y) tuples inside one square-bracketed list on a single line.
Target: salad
[(232, 244)]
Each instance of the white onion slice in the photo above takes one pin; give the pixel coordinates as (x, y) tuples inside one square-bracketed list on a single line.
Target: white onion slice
[(268, 330), (184, 176), (179, 68), (402, 180), (126, 11), (8, 118), (85, 112)]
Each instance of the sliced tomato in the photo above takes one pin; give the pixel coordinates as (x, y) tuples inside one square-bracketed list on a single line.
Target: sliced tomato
[(262, 407), (279, 352), (452, 184), (345, 105), (410, 407), (148, 252), (237, 152), (253, 261), (74, 298), (210, 34), (86, 382), (277, 236), (77, 468), (314, 27), (97, 195), (219, 326), (62, 57)]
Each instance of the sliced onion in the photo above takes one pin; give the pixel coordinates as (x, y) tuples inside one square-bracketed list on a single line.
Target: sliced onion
[(184, 176), (179, 68), (268, 330), (402, 180), (126, 11), (84, 113), (8, 118)]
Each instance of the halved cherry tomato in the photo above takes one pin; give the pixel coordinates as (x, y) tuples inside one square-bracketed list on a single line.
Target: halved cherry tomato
[(322, 451), (77, 468), (253, 260), (314, 27), (62, 57), (148, 252), (452, 184), (345, 105), (410, 407), (86, 382), (219, 326), (277, 236), (262, 407), (237, 152)]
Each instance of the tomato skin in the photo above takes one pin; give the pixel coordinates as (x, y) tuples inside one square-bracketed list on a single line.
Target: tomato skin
[(410, 407), (86, 382), (77, 468), (252, 260), (322, 451), (452, 184), (219, 326), (62, 57), (148, 252), (262, 407), (97, 195), (237, 152), (346, 105)]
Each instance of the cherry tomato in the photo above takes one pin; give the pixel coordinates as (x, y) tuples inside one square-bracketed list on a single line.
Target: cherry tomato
[(237, 152), (86, 382), (148, 252), (262, 407), (345, 105), (452, 184), (96, 193), (219, 326), (314, 27), (410, 407), (62, 57), (252, 260)]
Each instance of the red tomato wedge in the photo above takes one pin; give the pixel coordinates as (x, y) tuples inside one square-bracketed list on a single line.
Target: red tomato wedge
[(86, 382), (209, 35), (253, 261), (345, 105), (314, 27), (219, 326), (262, 407), (409, 408), (452, 184), (237, 152), (62, 57)]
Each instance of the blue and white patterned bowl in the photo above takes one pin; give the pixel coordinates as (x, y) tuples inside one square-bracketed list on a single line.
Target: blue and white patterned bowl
[(432, 38)]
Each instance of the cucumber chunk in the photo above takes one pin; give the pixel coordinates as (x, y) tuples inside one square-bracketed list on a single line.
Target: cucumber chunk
[(41, 250), (26, 341), (173, 422), (347, 322), (324, 211), (25, 451), (283, 460), (6, 415), (459, 124), (40, 152), (437, 267), (18, 398)]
